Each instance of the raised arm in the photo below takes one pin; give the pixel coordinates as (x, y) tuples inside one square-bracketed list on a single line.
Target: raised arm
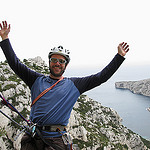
[(87, 83), (4, 30), (27, 75)]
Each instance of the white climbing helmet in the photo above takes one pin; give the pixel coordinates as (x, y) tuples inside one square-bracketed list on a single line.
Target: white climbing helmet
[(59, 50)]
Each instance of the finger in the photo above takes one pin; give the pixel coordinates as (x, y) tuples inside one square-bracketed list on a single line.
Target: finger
[(3, 23), (0, 25), (126, 47), (127, 50), (9, 26), (6, 23)]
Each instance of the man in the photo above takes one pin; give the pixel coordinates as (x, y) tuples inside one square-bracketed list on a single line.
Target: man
[(51, 109)]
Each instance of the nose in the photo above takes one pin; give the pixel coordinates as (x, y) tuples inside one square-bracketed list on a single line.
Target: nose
[(57, 63)]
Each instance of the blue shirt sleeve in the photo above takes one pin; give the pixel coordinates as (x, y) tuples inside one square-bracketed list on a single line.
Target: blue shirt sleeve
[(84, 84), (27, 75)]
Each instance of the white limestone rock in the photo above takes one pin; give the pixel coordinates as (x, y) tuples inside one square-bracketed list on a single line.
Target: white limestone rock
[(89, 120)]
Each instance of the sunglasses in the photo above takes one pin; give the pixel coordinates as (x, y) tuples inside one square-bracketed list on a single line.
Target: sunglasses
[(55, 60)]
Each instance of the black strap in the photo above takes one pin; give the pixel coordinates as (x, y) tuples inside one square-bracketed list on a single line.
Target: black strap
[(52, 128)]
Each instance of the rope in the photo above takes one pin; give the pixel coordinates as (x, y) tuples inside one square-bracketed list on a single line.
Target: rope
[(45, 91), (5, 102)]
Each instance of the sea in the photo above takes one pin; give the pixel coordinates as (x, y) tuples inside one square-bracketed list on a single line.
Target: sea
[(132, 108)]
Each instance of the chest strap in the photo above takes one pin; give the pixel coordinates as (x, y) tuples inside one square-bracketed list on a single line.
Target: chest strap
[(45, 91)]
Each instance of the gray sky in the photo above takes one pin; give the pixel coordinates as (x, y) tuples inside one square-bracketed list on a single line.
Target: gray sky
[(90, 29)]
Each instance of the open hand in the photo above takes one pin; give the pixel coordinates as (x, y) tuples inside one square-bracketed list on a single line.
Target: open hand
[(4, 30), (123, 48)]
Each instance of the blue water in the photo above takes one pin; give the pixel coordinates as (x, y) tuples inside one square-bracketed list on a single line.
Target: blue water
[(130, 107)]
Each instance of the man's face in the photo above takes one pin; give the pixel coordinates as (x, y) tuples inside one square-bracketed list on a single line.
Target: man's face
[(57, 68)]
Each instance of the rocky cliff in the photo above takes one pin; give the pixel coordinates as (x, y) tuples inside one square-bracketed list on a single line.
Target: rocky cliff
[(92, 126), (138, 87)]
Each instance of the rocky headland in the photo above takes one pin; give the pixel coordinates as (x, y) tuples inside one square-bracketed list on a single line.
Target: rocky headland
[(92, 126), (137, 87)]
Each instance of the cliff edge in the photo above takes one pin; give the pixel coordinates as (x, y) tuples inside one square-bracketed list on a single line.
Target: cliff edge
[(92, 126)]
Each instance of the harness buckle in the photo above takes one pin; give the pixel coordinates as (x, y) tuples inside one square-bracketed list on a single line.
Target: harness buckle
[(67, 138), (33, 130)]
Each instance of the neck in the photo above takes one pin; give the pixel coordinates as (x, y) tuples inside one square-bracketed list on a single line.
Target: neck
[(54, 77)]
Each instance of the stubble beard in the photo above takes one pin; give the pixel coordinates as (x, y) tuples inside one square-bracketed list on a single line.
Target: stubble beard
[(58, 74)]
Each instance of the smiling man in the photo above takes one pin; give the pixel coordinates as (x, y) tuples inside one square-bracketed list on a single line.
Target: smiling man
[(58, 60), (54, 96), (57, 66)]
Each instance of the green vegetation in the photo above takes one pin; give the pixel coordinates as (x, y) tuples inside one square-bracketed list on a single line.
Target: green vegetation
[(0, 87), (120, 147), (146, 142), (84, 106), (95, 134), (2, 131), (9, 86), (26, 62), (2, 78), (4, 63), (40, 69), (15, 78), (8, 142), (82, 144), (18, 119)]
